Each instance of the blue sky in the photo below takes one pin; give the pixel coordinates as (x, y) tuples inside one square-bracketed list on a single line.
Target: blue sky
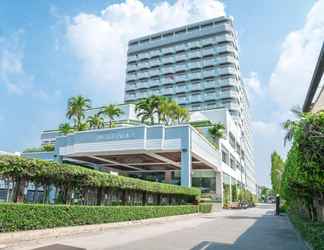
[(51, 50)]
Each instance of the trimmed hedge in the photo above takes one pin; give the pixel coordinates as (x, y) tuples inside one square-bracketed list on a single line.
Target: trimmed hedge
[(49, 172), (205, 207), (17, 217)]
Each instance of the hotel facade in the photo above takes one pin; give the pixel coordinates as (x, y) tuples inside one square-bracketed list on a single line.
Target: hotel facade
[(197, 66)]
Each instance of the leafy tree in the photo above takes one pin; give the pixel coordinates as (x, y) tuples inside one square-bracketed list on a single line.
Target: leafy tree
[(216, 131), (277, 168), (290, 124), (96, 121), (181, 115), (77, 106), (112, 112), (65, 128)]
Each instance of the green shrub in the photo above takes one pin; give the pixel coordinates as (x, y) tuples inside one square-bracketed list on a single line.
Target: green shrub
[(17, 217), (53, 173), (43, 148), (205, 207), (312, 232)]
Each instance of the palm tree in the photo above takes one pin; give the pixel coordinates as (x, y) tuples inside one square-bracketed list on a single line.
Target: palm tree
[(77, 106), (145, 110), (111, 111), (96, 121), (289, 125), (160, 105), (181, 114), (65, 128), (216, 131)]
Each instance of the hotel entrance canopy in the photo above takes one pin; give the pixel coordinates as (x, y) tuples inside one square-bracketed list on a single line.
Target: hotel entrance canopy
[(142, 148)]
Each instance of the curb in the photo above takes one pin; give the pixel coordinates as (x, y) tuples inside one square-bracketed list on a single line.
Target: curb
[(12, 238)]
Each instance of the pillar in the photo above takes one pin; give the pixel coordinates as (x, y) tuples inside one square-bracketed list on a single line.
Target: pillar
[(219, 187), (168, 176), (186, 166)]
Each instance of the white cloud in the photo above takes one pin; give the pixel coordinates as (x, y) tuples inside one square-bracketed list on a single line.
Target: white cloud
[(253, 84), (300, 50), (100, 41), (12, 73)]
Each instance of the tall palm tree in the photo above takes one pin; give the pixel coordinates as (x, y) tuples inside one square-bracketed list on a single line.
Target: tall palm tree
[(160, 104), (145, 110), (96, 121), (77, 106), (65, 128), (289, 125), (181, 114), (111, 111)]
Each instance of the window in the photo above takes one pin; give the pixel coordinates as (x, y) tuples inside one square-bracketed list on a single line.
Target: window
[(168, 35), (180, 32), (207, 26), (224, 156), (194, 28), (232, 162), (232, 140)]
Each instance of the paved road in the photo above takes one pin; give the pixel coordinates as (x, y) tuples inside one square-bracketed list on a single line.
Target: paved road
[(254, 228)]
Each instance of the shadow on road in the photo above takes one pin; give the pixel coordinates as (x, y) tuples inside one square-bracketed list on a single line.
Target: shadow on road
[(269, 232)]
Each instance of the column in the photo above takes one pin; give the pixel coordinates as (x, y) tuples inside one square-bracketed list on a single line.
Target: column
[(168, 176), (186, 166), (219, 187)]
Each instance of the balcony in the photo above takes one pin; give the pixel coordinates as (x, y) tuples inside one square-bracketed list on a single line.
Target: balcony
[(232, 106), (141, 95), (208, 52), (207, 41), (143, 65), (228, 81), (196, 86), (131, 67), (168, 59), (208, 62), (196, 98), (194, 54), (156, 92), (142, 85), (224, 37), (154, 82), (194, 65), (229, 94), (130, 97), (130, 77), (154, 72), (226, 71), (181, 88), (226, 59), (182, 100), (180, 67), (181, 57), (210, 84), (141, 75), (167, 80), (210, 96), (131, 58), (155, 62), (144, 55), (180, 47), (194, 76), (154, 53), (209, 73), (167, 91), (180, 78), (194, 44), (225, 48), (130, 86), (168, 50), (167, 70)]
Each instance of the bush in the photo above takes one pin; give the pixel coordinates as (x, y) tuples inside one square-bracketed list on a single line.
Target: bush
[(205, 207), (312, 232), (43, 148), (48, 173), (17, 217)]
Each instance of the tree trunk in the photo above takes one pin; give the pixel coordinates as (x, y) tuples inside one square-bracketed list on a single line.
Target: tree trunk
[(99, 196), (19, 190), (144, 200), (124, 194), (159, 199)]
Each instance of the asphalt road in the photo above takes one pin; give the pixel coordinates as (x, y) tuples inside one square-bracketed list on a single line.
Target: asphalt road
[(254, 228)]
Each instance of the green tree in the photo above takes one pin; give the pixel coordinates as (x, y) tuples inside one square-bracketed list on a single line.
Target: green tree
[(181, 115), (96, 121), (65, 128), (216, 131), (112, 112), (145, 110), (277, 168), (77, 106)]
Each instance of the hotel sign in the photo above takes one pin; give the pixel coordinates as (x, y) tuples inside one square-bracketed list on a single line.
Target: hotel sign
[(116, 135)]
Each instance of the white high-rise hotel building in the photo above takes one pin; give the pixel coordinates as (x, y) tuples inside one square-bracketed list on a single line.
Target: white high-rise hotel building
[(198, 66)]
